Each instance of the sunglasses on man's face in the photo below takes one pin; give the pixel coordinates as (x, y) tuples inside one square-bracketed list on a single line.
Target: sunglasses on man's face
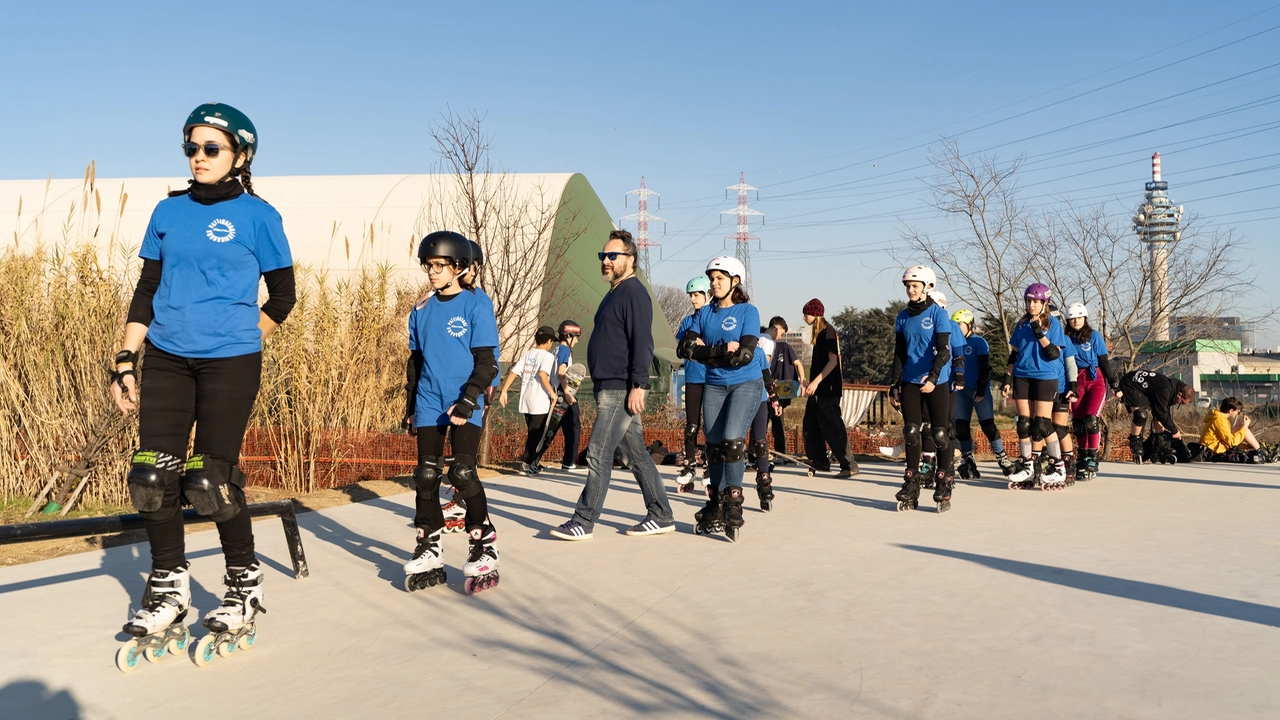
[(211, 149), (612, 256)]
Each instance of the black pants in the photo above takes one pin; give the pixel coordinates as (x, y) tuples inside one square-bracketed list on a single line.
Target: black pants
[(465, 442), (692, 421), (779, 430), (823, 426), (914, 406), (537, 425), (759, 428), (571, 426), (216, 395)]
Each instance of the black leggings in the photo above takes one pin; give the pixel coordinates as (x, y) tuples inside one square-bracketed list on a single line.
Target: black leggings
[(692, 421), (216, 395), (823, 426), (465, 442), (537, 425), (759, 436), (779, 430), (914, 406)]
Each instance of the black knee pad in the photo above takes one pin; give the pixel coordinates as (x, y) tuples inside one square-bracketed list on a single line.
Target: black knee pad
[(151, 473), (214, 487), (734, 449), (426, 477), (911, 435), (963, 431), (761, 449), (1091, 424), (1024, 427), (463, 477), (1141, 416), (1062, 430), (1079, 426), (941, 438), (715, 454), (1041, 429), (989, 429)]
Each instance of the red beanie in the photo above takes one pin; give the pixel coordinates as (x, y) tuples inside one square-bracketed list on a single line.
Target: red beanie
[(814, 308)]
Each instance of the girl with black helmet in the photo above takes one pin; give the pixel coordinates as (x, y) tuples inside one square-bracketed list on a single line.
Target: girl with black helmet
[(922, 368), (453, 337), (1035, 359), (567, 336), (196, 310), (1095, 374), (695, 376), (723, 336)]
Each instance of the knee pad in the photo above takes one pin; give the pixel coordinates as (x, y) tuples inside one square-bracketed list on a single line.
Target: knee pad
[(151, 473), (735, 450), (1062, 430), (911, 435), (215, 488), (715, 454), (1141, 416), (426, 477), (1091, 424), (1041, 429), (1024, 427), (963, 432), (761, 449), (463, 477), (1079, 426), (989, 428), (940, 436)]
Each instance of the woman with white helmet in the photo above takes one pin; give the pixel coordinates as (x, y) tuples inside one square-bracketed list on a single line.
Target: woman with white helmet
[(1035, 361), (695, 376), (1095, 374), (929, 459), (922, 365), (976, 397), (723, 337)]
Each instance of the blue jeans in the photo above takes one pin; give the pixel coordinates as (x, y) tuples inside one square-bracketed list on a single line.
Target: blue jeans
[(616, 428), (727, 411)]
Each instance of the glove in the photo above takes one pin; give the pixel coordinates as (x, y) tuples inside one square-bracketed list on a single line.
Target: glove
[(464, 408)]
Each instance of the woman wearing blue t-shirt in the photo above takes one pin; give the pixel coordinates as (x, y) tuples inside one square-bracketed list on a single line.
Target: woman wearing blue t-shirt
[(922, 371), (1035, 361), (723, 337), (695, 377), (1095, 374), (452, 340), (195, 309)]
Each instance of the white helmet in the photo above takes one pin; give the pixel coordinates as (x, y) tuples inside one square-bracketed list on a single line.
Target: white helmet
[(921, 274), (939, 298), (1075, 310), (728, 265)]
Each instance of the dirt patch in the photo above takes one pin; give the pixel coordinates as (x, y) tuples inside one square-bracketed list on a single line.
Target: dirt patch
[(20, 553)]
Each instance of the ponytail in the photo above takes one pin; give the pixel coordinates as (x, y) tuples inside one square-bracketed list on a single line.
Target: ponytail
[(819, 325)]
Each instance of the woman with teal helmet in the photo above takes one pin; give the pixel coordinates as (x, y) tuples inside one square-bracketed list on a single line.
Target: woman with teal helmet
[(695, 377)]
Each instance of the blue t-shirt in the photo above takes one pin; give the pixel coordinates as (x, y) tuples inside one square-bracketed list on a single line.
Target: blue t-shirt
[(446, 331), (715, 324), (564, 355), (1068, 350), (1088, 352), (1031, 361), (694, 371), (975, 346), (212, 257), (958, 345), (919, 332)]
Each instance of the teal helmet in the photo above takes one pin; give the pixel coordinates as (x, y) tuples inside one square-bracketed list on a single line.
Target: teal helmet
[(700, 284), (229, 120)]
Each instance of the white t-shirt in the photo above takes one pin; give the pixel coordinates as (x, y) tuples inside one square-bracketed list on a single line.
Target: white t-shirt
[(767, 346), (533, 397)]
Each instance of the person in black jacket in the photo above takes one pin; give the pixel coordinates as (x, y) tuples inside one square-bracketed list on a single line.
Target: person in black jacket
[(823, 423), (1150, 395), (619, 355)]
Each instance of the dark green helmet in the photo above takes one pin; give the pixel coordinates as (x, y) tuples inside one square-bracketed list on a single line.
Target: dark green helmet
[(446, 244), (229, 120)]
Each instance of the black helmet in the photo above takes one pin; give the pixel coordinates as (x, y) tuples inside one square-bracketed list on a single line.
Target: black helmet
[(567, 328), (446, 244), (477, 254)]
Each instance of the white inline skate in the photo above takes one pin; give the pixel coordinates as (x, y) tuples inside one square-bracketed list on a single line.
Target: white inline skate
[(157, 627), (233, 623), (426, 568), (481, 569), (455, 516)]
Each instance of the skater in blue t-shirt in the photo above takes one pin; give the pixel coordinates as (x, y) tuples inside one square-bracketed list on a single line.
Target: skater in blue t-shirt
[(695, 376), (1067, 393), (976, 397), (1035, 361), (922, 368), (453, 337), (196, 312), (723, 336)]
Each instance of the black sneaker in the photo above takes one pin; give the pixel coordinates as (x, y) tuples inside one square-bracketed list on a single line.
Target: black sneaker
[(652, 527)]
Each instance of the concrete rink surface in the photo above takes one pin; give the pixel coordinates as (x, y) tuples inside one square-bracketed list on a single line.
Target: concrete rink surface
[(1151, 592)]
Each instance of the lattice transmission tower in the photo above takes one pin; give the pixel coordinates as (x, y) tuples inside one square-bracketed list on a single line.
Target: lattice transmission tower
[(742, 239), (642, 218)]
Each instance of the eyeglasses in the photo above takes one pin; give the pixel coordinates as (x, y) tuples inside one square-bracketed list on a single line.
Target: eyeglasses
[(438, 266), (211, 149), (613, 256)]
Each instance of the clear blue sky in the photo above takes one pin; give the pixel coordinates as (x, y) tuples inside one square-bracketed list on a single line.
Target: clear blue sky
[(804, 97)]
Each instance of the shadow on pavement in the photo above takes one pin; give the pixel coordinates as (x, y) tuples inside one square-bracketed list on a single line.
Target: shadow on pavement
[(33, 700), (1120, 587)]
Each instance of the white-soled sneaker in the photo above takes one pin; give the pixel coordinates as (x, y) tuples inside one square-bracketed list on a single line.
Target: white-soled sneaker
[(652, 527)]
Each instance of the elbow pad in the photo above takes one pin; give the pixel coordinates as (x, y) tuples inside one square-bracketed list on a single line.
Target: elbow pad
[(741, 357), (1053, 352), (687, 346)]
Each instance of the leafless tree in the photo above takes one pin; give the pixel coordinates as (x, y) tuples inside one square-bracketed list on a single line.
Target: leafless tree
[(674, 303)]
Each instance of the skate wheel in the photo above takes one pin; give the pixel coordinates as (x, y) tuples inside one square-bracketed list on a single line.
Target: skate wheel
[(128, 657), (944, 506), (810, 472), (228, 648), (249, 638), (179, 643), (154, 654), (410, 583), (766, 505), (469, 586), (205, 650)]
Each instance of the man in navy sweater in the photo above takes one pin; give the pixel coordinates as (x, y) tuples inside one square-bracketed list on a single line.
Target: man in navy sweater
[(619, 356)]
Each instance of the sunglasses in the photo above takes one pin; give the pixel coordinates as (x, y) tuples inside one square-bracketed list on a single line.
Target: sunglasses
[(211, 149), (612, 256)]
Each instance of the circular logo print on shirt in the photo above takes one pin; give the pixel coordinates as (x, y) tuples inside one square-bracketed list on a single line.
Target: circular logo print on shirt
[(1086, 346), (968, 350), (221, 231), (729, 323), (457, 326), (927, 323)]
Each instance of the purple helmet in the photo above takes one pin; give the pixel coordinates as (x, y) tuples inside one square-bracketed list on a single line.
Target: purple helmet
[(1038, 291)]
